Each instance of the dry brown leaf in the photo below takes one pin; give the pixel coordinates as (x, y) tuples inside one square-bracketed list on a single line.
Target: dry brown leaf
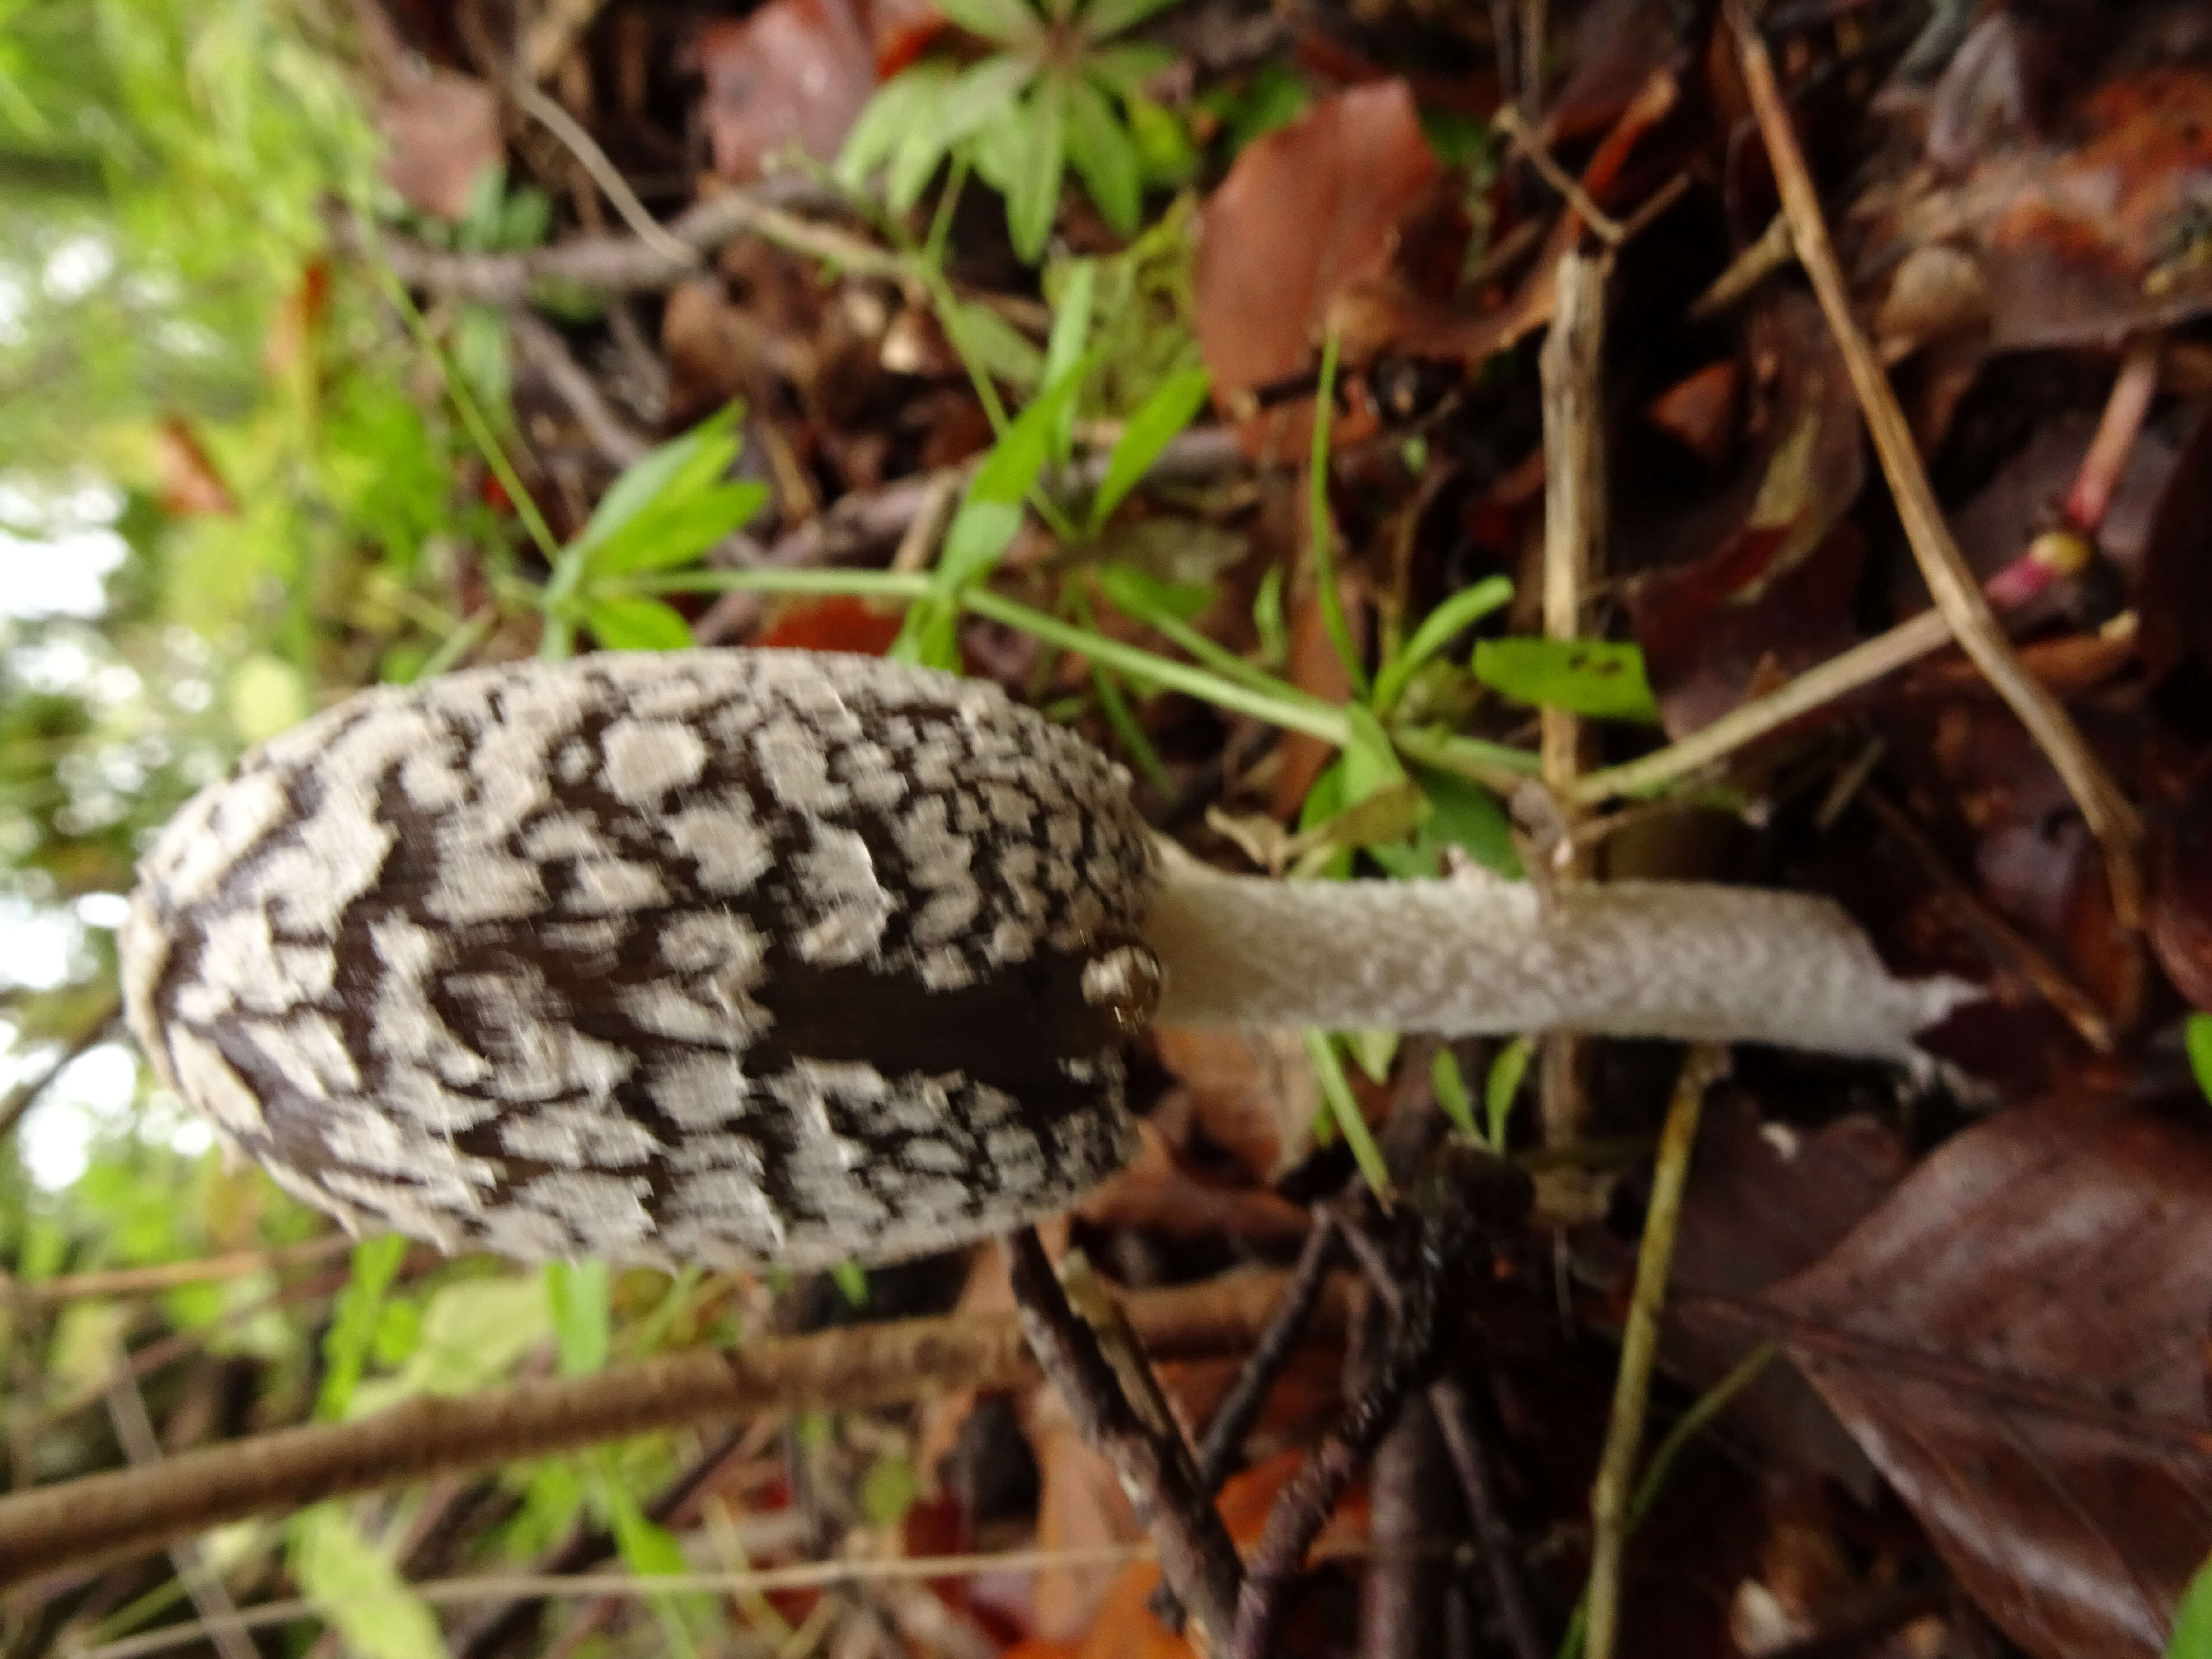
[(1305, 213), (2016, 1338), (440, 129), (795, 72), (1251, 1093), (1153, 1191)]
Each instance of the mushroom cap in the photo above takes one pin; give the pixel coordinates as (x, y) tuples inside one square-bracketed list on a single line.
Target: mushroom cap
[(721, 957)]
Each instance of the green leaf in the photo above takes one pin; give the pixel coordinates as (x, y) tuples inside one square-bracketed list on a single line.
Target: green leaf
[(1071, 332), (2192, 1619), (1600, 679), (983, 97), (481, 357), (1437, 630), (527, 216), (676, 471), (1104, 157), (900, 108), (357, 1587), (1145, 598), (999, 348), (473, 1335), (1269, 621), (1033, 192), (1503, 1085), (355, 1321), (1165, 151), (1006, 21), (1450, 1087), (851, 1279), (1465, 814), (1104, 19), (1126, 69), (1172, 406), (1273, 98), (583, 1320), (888, 1491), (636, 624), (2196, 1034), (1344, 1107)]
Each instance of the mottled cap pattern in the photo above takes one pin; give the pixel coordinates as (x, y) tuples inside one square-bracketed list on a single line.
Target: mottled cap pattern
[(719, 957)]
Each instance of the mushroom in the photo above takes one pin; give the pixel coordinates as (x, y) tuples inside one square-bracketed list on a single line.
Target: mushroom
[(767, 957)]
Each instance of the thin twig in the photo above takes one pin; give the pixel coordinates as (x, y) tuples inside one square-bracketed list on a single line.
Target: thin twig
[(1477, 1481), (24, 1093), (615, 438), (1761, 260), (1608, 228), (1232, 1421), (585, 149), (2098, 478), (167, 1275), (1196, 1556), (119, 1513), (1303, 1506), (1639, 1344), (1851, 670), (2111, 819), (2003, 940), (1575, 511), (134, 1432)]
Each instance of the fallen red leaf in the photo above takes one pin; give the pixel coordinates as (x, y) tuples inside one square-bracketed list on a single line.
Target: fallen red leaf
[(839, 623)]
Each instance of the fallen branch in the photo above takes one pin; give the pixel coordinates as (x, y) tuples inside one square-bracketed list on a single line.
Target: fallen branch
[(125, 1512)]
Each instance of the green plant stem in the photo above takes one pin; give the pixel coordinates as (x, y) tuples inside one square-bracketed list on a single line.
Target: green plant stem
[(1323, 533), (1703, 1410), (465, 405), (1639, 1344), (1496, 765)]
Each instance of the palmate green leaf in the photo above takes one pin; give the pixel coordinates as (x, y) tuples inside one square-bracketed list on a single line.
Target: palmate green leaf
[(1165, 149), (1449, 1086), (637, 625), (1071, 332), (1600, 679), (1145, 598), (976, 99), (358, 1588), (1010, 21), (473, 1334), (1104, 19), (1033, 190), (1127, 68), (1172, 406), (1104, 157), (906, 101)]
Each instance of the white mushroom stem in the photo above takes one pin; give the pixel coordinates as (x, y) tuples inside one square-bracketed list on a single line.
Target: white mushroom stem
[(1630, 959)]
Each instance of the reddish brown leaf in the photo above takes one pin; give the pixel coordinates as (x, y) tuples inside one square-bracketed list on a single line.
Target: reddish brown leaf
[(440, 129), (901, 31), (1765, 591), (2016, 1338), (795, 72), (840, 623), (1305, 213), (1699, 412)]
